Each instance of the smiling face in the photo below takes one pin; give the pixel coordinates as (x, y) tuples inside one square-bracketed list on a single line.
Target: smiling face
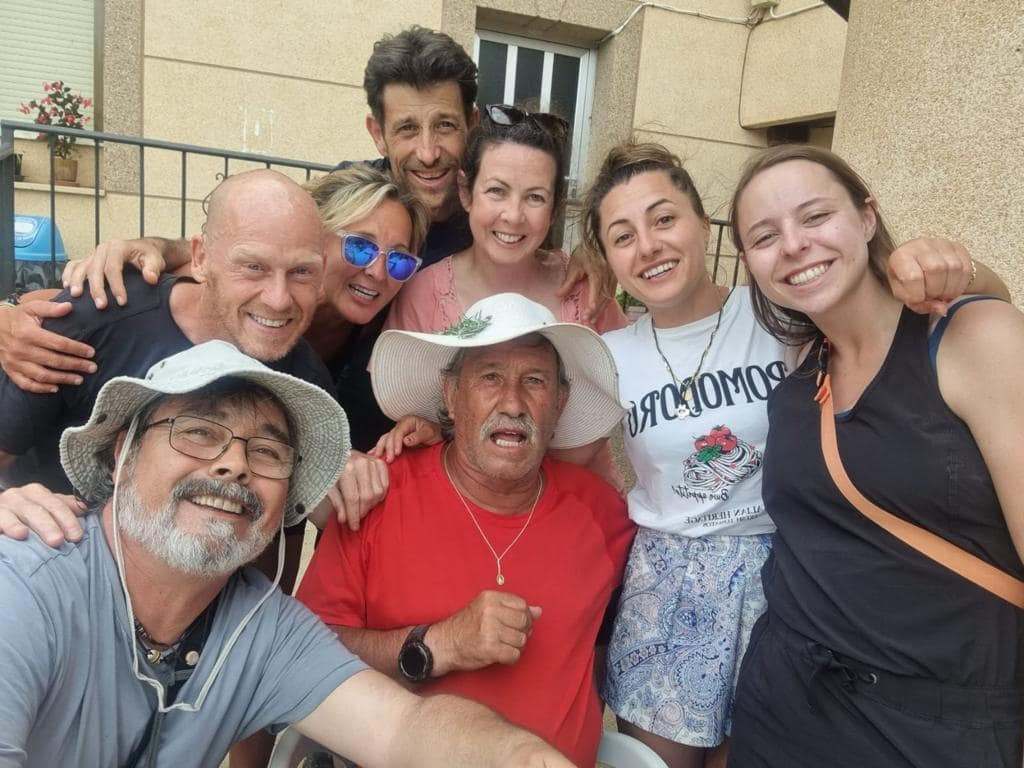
[(359, 294), (511, 202), (655, 244), (505, 402), (805, 242), (261, 261), (423, 136), (204, 517)]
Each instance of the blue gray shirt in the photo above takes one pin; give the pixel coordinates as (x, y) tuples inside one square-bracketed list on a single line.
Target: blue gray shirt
[(68, 695)]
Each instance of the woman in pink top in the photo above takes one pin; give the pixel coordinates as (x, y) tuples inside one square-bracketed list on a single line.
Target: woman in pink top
[(512, 185)]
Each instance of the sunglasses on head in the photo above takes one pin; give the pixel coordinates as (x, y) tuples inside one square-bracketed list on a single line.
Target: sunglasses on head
[(362, 252), (507, 114)]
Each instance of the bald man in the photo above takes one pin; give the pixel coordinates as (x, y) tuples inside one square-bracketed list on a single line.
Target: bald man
[(257, 272)]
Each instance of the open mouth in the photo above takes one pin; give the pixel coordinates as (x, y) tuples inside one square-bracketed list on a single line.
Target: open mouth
[(221, 503), (660, 269), (269, 322), (806, 275), (509, 438), (508, 239), (363, 293), (430, 177)]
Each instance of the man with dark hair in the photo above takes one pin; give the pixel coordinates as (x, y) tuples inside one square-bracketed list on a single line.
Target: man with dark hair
[(147, 643), (421, 89)]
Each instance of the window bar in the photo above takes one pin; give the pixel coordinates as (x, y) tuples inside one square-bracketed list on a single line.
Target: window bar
[(546, 74), (142, 191), (184, 181), (511, 61)]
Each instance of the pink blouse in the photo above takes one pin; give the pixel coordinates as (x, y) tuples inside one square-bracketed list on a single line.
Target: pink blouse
[(428, 303)]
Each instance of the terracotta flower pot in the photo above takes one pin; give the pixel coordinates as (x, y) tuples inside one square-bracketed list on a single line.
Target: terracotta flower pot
[(66, 171)]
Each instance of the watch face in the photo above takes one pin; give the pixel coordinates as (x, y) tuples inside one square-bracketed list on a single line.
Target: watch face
[(412, 662)]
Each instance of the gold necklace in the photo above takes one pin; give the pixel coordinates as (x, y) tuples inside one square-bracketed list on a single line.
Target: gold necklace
[(500, 578), (686, 397)]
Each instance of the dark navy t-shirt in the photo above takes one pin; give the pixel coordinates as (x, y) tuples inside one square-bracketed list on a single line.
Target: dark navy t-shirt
[(128, 340)]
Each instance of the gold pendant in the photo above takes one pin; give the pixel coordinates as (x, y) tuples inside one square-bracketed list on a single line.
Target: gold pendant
[(500, 579)]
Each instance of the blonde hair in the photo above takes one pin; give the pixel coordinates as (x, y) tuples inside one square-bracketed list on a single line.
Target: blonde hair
[(348, 195)]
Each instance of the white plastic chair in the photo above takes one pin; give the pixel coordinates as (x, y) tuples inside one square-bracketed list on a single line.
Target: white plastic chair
[(292, 748), (617, 750)]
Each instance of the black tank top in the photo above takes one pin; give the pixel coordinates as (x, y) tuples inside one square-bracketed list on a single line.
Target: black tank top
[(839, 579)]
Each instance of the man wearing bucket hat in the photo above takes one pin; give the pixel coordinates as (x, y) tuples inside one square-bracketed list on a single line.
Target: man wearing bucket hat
[(487, 569), (143, 644)]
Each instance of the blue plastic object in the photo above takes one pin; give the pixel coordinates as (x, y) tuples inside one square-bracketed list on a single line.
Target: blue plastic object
[(32, 264), (32, 239)]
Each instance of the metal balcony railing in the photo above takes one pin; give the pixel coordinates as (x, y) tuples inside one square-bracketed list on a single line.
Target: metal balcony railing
[(7, 161)]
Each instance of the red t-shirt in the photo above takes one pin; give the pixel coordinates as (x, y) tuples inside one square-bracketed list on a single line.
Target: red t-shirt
[(418, 559)]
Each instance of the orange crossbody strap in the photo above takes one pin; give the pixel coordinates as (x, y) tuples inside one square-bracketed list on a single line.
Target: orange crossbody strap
[(944, 553)]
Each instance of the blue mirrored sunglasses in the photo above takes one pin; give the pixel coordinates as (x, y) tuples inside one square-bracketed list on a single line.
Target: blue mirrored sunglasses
[(362, 252)]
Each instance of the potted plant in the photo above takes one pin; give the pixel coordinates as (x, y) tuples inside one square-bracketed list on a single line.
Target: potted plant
[(59, 106)]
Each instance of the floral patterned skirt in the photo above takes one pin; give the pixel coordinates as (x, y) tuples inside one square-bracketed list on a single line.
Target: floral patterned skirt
[(683, 624)]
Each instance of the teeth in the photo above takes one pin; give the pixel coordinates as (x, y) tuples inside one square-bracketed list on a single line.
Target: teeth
[(807, 275), (509, 442), (365, 292), (266, 322), (658, 270), (218, 502), (430, 177), (510, 239)]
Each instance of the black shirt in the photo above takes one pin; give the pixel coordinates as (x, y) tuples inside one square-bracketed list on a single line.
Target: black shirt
[(127, 340)]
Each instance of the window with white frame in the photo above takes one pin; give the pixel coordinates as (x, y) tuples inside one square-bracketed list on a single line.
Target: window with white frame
[(540, 77)]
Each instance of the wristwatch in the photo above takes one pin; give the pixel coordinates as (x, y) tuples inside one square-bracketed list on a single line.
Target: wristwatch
[(415, 661)]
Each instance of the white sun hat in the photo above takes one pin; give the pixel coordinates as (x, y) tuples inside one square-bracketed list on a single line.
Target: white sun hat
[(321, 441), (406, 366)]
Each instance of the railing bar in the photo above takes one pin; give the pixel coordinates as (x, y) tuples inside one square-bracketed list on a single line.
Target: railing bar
[(192, 149), (6, 210), (53, 203), (142, 191), (184, 186), (718, 253), (225, 166), (96, 189)]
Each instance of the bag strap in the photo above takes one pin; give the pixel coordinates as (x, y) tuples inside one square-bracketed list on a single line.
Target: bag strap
[(943, 552)]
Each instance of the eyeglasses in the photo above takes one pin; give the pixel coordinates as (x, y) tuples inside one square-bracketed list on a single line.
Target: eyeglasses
[(204, 439), (507, 115), (362, 252)]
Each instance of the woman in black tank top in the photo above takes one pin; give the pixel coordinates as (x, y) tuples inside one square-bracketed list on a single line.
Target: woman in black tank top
[(871, 654)]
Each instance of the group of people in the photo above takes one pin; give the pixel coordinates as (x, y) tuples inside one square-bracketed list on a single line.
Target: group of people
[(736, 605)]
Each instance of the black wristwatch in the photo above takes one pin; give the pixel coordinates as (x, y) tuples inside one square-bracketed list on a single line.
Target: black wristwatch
[(415, 661)]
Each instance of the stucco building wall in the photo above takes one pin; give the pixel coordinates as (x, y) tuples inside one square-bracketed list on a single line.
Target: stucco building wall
[(929, 112), (286, 80)]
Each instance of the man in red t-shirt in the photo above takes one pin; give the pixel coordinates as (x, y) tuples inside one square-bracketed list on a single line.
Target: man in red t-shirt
[(487, 569)]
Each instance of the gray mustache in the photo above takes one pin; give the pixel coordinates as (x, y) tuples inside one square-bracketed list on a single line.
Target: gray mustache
[(253, 506)]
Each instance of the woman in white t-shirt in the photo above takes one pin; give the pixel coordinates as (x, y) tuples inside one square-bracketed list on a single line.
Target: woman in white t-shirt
[(695, 374)]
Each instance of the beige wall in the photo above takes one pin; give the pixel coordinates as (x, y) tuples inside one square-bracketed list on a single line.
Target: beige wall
[(262, 77), (793, 67), (929, 112)]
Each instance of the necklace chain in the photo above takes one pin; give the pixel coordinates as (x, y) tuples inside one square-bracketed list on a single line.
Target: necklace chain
[(500, 578), (685, 398)]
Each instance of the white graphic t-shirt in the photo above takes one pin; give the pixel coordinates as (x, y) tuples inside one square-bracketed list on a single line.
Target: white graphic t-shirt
[(699, 474)]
